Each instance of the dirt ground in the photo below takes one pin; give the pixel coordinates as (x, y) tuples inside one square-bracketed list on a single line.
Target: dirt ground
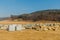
[(29, 35), (25, 22)]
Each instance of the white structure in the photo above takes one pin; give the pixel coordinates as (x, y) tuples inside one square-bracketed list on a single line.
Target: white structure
[(19, 27), (15, 27), (12, 27)]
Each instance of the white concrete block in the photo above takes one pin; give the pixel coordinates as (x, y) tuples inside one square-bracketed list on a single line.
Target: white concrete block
[(19, 27), (12, 27)]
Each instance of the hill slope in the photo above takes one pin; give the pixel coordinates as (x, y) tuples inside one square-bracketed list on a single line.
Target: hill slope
[(50, 15)]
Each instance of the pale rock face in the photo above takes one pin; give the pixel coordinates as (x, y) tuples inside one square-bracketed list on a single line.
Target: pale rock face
[(12, 27), (15, 27), (19, 27)]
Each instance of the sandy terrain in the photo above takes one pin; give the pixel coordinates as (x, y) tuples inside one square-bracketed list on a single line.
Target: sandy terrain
[(25, 22), (29, 35)]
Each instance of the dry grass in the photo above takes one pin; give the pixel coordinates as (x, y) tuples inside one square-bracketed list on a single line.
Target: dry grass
[(25, 22)]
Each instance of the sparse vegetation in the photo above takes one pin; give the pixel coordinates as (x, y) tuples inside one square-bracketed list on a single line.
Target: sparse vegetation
[(50, 15)]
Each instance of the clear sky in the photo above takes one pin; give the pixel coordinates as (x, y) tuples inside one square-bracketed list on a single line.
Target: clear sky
[(16, 7)]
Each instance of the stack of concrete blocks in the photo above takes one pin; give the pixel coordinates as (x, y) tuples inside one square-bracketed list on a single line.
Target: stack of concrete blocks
[(19, 27), (15, 27), (41, 26), (11, 27)]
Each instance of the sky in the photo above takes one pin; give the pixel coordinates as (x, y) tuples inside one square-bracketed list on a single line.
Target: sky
[(17, 7)]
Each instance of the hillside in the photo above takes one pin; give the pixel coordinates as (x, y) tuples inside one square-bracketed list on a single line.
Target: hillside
[(48, 15)]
